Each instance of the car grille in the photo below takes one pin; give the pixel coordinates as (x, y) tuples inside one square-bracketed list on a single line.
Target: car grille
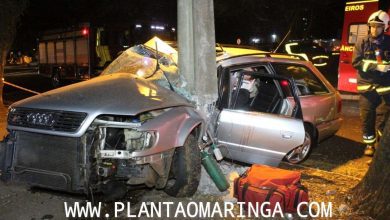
[(47, 161), (46, 119)]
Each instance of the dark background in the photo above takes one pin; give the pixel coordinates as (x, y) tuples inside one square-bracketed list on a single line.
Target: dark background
[(234, 19)]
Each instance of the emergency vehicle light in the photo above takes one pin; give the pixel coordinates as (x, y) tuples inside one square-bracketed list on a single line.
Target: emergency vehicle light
[(85, 31), (284, 83)]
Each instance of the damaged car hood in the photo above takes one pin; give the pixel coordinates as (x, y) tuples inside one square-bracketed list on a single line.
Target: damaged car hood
[(117, 94)]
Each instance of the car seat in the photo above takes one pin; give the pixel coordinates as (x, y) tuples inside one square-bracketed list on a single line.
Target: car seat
[(268, 98), (243, 100)]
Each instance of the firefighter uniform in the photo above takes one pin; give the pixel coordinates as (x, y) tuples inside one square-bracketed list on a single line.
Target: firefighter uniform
[(373, 85)]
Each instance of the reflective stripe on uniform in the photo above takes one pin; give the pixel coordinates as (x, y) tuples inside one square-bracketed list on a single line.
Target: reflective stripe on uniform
[(379, 133), (363, 87), (370, 141), (382, 90), (366, 64)]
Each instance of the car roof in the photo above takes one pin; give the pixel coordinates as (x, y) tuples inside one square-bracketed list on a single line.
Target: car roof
[(231, 56), (229, 52)]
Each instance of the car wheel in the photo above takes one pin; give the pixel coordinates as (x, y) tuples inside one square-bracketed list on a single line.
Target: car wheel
[(55, 80), (302, 152), (185, 169)]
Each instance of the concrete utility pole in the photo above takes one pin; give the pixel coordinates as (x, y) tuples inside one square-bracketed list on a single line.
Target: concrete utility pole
[(196, 41)]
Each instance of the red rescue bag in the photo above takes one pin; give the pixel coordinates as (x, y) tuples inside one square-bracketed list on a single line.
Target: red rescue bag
[(262, 183)]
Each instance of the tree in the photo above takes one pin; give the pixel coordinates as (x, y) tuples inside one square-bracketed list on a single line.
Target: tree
[(10, 12), (372, 194)]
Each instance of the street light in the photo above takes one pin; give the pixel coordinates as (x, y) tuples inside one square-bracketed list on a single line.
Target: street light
[(256, 40), (273, 37)]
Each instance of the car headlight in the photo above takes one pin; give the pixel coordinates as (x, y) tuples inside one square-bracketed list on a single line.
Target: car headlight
[(139, 140)]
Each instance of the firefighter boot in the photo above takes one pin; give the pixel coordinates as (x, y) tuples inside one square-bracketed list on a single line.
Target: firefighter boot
[(369, 151)]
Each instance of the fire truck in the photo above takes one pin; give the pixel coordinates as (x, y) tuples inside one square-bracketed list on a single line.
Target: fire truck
[(355, 26), (82, 51)]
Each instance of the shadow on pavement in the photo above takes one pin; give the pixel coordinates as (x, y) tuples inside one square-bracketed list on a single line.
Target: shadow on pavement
[(338, 150), (339, 155)]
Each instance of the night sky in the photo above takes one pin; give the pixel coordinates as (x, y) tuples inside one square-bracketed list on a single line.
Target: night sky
[(233, 18)]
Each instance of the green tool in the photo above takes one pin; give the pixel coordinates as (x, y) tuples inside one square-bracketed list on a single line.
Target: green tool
[(214, 171)]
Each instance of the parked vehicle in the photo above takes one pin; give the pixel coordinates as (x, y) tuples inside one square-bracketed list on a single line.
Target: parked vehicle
[(310, 51), (355, 25), (130, 126), (81, 52), (320, 52)]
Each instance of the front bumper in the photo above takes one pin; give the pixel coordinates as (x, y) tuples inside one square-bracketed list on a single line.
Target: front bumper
[(66, 164)]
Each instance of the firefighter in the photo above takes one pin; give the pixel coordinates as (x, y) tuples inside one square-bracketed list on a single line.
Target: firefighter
[(371, 57)]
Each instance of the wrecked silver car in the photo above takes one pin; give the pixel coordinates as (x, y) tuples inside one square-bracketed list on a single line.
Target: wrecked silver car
[(134, 125)]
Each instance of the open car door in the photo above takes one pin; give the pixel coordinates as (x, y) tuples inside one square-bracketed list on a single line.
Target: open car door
[(269, 126)]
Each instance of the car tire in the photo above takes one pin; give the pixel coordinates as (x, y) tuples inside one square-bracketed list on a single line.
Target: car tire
[(302, 152), (56, 80), (185, 169)]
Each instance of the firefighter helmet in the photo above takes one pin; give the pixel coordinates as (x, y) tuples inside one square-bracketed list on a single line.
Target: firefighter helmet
[(379, 17)]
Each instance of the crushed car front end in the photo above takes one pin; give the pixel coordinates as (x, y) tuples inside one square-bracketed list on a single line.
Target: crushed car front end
[(59, 141)]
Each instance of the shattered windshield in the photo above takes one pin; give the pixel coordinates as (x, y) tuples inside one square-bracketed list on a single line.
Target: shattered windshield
[(141, 60)]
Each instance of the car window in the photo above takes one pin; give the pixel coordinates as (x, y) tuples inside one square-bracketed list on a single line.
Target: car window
[(252, 92), (307, 82)]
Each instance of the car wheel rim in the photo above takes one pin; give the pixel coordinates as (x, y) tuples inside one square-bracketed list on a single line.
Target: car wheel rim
[(299, 153)]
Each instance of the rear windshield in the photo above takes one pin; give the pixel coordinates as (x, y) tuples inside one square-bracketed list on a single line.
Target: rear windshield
[(307, 82)]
